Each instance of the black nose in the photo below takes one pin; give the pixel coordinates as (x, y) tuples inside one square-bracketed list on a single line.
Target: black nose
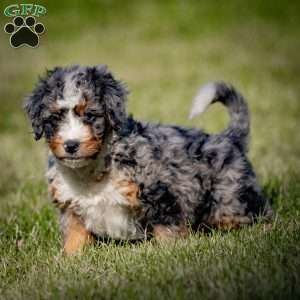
[(71, 146)]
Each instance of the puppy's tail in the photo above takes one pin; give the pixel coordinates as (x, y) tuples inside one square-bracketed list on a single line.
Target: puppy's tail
[(238, 129)]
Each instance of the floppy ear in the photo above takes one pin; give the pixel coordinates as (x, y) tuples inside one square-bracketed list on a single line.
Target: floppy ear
[(113, 93), (34, 105)]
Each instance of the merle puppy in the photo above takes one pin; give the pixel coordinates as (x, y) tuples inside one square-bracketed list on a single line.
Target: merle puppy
[(111, 175)]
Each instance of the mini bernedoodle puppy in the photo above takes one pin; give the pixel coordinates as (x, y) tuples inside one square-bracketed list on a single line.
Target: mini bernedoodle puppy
[(113, 176)]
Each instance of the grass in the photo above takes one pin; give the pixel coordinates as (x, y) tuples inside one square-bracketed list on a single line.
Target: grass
[(164, 51)]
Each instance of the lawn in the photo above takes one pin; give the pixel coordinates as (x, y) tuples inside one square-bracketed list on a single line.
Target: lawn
[(163, 50)]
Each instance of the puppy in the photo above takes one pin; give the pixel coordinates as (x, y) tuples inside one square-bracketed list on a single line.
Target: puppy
[(113, 176)]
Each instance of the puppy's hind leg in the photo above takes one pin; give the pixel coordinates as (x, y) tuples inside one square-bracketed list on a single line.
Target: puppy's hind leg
[(238, 201), (242, 209)]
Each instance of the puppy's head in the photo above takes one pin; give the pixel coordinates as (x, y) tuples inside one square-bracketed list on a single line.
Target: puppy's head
[(75, 109)]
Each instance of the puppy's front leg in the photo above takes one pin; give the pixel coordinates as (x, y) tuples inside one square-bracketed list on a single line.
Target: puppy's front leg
[(75, 234)]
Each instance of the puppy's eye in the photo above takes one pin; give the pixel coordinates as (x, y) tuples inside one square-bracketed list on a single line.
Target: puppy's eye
[(90, 117), (58, 115), (80, 82)]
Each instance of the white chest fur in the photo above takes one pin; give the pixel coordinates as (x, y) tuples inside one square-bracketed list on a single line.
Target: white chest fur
[(102, 208)]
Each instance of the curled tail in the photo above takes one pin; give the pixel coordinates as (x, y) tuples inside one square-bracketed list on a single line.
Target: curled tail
[(238, 129)]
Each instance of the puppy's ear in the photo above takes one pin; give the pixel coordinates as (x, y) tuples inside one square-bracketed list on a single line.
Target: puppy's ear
[(34, 104), (113, 93)]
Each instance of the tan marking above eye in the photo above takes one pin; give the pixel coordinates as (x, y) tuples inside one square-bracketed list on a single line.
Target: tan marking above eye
[(54, 108), (79, 109)]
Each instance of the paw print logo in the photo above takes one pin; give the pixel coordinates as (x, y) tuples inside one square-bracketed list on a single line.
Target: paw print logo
[(24, 32)]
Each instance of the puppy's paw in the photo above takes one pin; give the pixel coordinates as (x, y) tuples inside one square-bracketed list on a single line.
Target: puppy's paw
[(229, 222), (169, 233)]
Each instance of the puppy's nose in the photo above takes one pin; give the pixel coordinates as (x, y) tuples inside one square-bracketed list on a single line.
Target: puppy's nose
[(71, 146)]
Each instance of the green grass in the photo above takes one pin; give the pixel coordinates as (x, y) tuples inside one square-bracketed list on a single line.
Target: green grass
[(164, 51)]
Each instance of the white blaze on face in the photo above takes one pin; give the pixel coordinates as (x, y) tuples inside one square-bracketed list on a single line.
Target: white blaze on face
[(72, 126), (71, 95)]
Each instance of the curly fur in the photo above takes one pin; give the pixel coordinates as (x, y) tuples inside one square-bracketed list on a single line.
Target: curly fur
[(183, 175)]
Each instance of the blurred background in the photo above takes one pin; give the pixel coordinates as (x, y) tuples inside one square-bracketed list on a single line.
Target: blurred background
[(163, 50)]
